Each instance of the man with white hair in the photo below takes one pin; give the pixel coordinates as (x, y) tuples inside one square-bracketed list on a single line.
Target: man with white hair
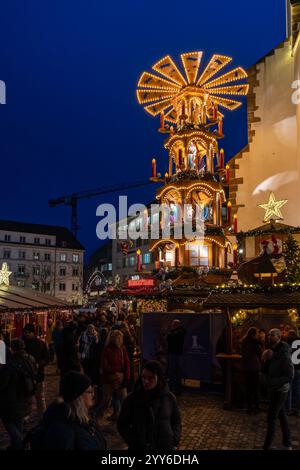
[(279, 370)]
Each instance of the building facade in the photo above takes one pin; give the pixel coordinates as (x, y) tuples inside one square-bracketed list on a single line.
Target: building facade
[(42, 257), (270, 161)]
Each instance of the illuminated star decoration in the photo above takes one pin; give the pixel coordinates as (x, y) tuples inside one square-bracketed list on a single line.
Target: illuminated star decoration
[(272, 208), (4, 275)]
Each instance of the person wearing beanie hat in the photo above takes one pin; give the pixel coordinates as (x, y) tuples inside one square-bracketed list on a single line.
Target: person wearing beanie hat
[(149, 419), (67, 422), (73, 384)]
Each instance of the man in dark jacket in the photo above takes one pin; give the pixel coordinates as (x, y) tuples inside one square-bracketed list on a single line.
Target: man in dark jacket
[(17, 381), (279, 370), (39, 351), (175, 340), (69, 349)]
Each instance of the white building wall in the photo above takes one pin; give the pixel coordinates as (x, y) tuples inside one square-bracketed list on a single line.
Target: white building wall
[(272, 163)]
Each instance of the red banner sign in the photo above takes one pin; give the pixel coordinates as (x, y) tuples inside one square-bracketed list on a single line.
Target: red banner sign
[(141, 283)]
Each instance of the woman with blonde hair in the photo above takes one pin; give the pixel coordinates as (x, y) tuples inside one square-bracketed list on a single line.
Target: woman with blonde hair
[(115, 369), (67, 424)]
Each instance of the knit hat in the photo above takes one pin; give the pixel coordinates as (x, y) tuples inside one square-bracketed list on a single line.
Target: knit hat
[(73, 384), (29, 327)]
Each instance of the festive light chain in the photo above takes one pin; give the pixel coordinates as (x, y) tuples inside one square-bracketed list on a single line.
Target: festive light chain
[(211, 68)]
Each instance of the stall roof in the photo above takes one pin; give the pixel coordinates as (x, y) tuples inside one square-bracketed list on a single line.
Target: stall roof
[(12, 297), (253, 300)]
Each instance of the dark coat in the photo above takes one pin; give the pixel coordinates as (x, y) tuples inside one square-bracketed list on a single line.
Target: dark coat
[(175, 340), (251, 353), (13, 404), (150, 421), (64, 433), (39, 351), (69, 356), (279, 370)]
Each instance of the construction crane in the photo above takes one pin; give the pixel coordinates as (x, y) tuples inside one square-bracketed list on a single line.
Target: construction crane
[(72, 199)]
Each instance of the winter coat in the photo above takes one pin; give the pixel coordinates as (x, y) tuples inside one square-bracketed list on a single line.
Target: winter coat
[(150, 421), (251, 353), (279, 369), (13, 404), (113, 360), (69, 356), (175, 340), (39, 351), (61, 432)]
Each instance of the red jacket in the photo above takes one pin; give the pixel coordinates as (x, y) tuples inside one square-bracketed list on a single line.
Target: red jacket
[(115, 360)]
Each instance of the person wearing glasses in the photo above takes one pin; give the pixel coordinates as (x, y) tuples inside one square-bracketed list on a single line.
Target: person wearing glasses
[(149, 419), (67, 423)]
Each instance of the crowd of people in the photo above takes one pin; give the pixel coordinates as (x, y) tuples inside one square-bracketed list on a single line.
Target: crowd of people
[(95, 358)]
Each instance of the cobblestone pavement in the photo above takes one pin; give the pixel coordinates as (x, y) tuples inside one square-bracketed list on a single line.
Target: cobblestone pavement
[(206, 426)]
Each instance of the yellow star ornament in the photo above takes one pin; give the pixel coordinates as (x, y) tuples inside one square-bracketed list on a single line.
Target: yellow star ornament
[(4, 275), (272, 208)]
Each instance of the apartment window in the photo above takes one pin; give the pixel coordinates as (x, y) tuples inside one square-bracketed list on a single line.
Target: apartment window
[(47, 257), (132, 260), (36, 271), (36, 241), (63, 257), (22, 239), (7, 238), (75, 272), (74, 287), (36, 285), (62, 286), (147, 258), (64, 244), (6, 254), (21, 269), (21, 283), (47, 287), (75, 258), (36, 256), (62, 271), (109, 266), (48, 241), (22, 254)]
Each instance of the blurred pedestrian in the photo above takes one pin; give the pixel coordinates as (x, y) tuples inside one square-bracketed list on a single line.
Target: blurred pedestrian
[(149, 420), (251, 356), (175, 341)]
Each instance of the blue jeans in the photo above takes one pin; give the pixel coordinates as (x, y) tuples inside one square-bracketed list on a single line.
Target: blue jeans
[(175, 372), (15, 431), (294, 393)]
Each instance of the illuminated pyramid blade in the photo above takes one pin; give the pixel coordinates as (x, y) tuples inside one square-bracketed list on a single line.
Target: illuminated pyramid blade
[(148, 96), (191, 62), (226, 103), (170, 116), (168, 68), (148, 80), (216, 63), (232, 76), (158, 107), (230, 90)]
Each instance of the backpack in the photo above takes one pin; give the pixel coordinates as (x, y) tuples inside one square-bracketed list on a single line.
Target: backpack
[(26, 378)]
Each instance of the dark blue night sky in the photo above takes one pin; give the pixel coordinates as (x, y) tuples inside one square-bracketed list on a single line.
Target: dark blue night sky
[(72, 121)]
